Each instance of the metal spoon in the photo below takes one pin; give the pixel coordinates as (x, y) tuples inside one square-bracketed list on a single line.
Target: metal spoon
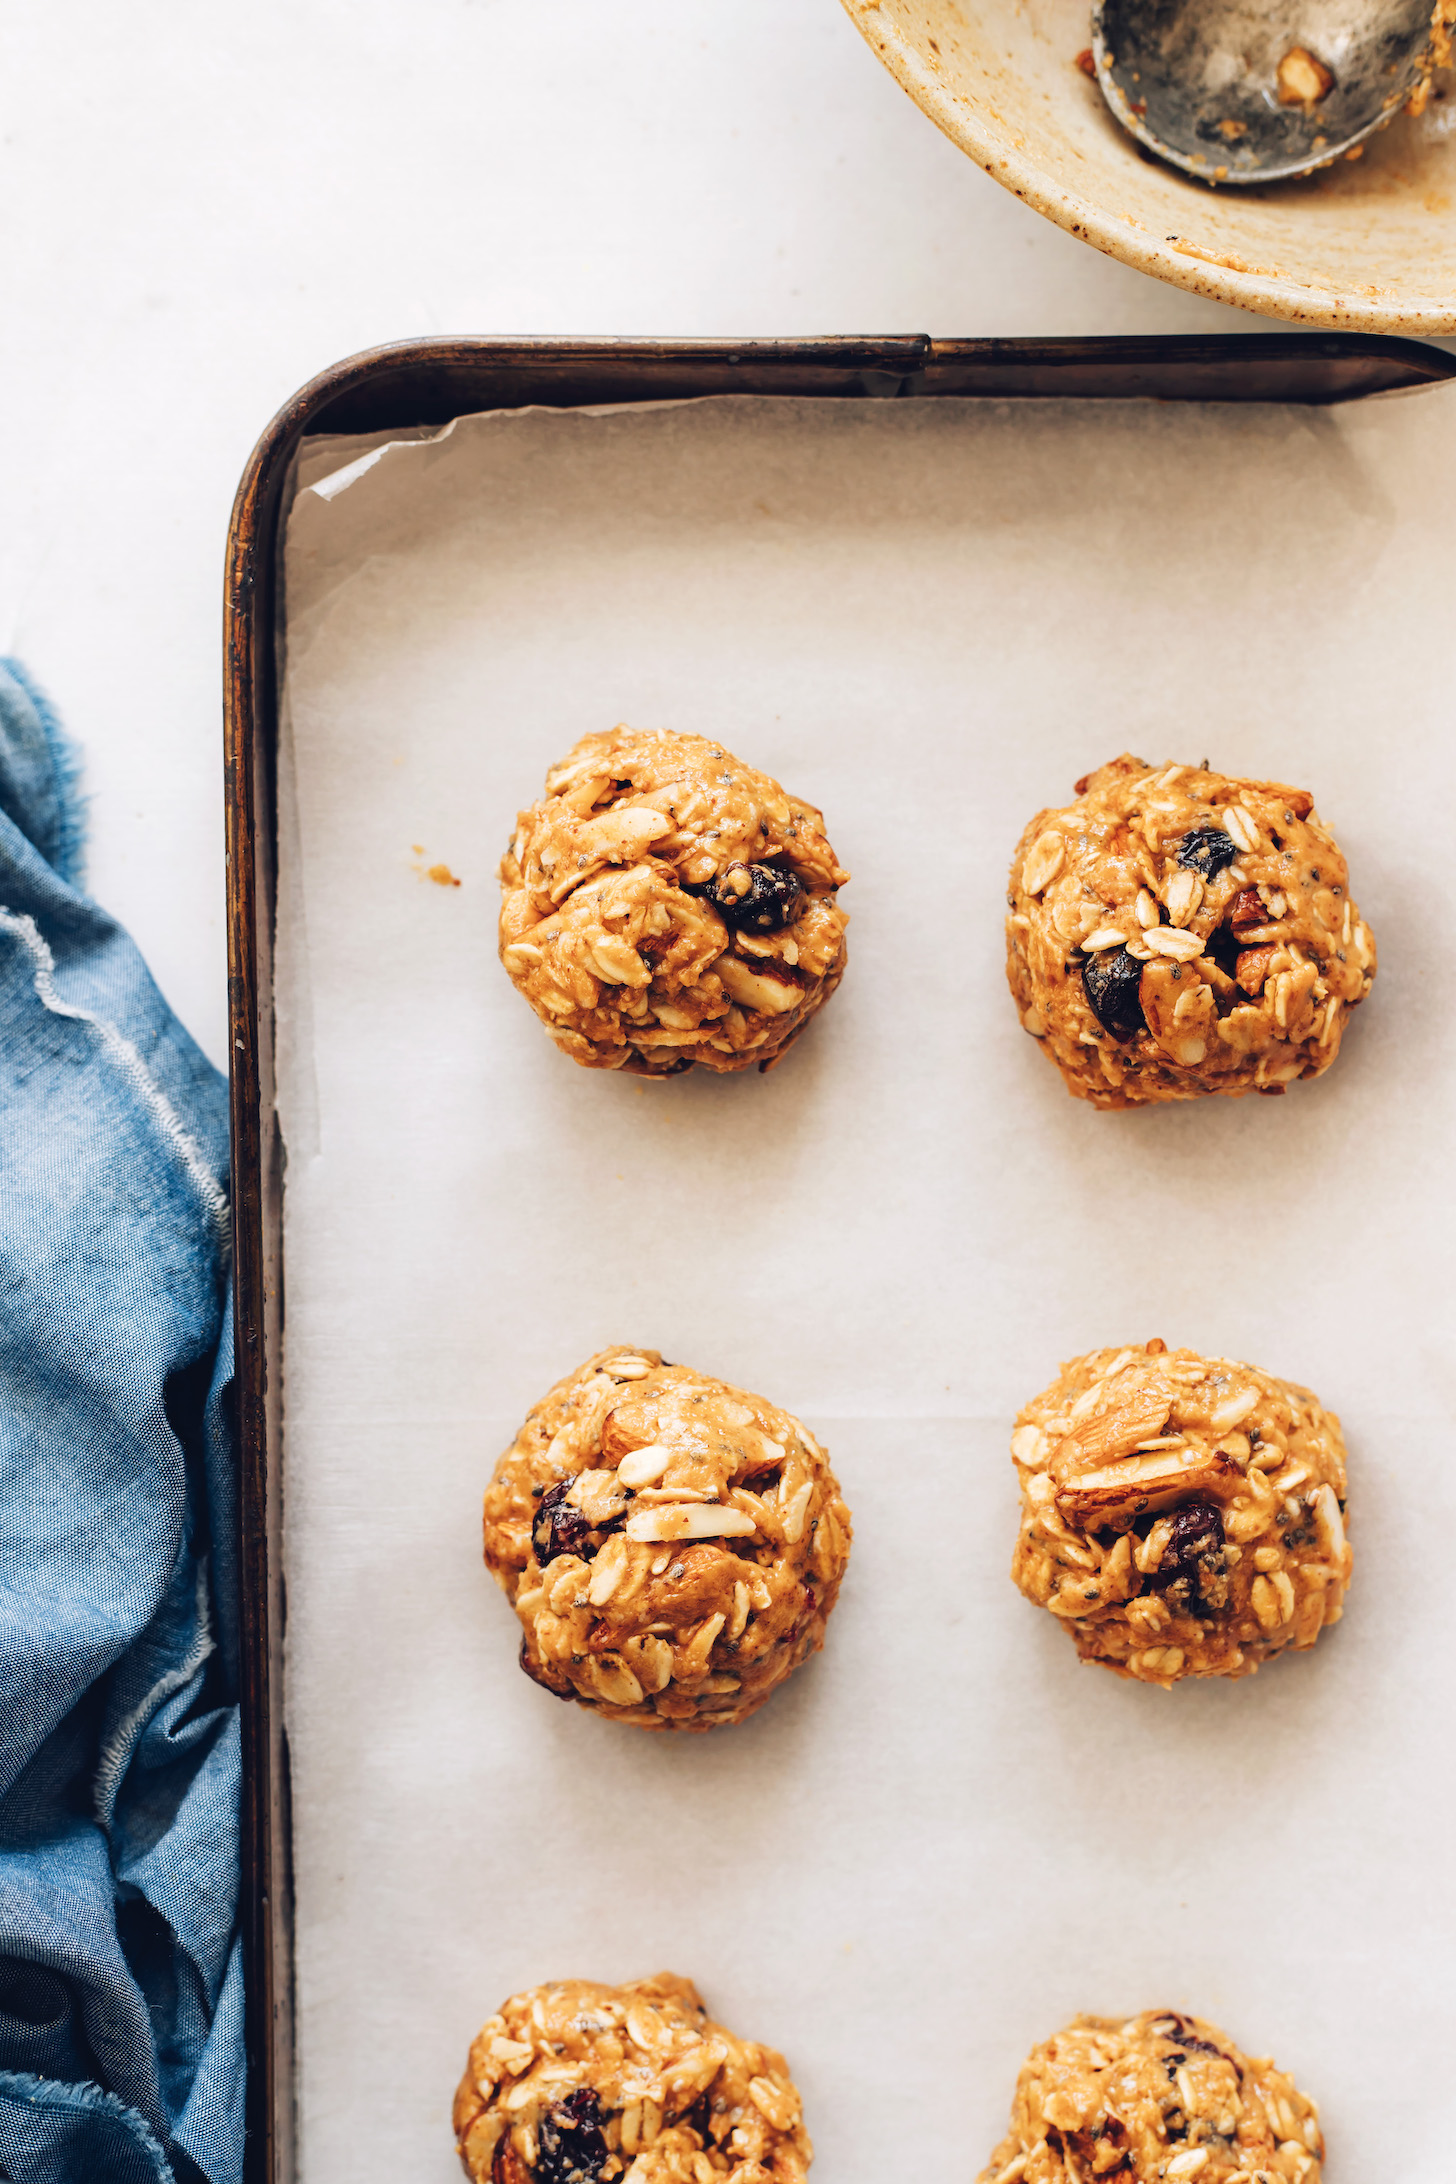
[(1263, 90)]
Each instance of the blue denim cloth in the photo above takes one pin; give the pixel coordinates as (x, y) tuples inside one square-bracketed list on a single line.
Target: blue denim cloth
[(121, 2048)]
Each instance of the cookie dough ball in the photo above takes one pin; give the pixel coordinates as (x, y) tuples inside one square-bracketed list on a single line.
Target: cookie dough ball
[(1181, 1515), (664, 905), (1175, 932), (1161, 2096), (577, 2082), (671, 1545)]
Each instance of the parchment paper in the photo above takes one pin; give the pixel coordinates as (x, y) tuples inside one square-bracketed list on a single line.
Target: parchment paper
[(945, 1835)]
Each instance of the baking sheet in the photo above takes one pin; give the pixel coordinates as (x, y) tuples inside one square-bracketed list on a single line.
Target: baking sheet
[(945, 1835)]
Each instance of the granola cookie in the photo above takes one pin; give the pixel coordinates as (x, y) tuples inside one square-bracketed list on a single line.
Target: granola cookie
[(664, 905), (672, 1546), (1161, 2096), (1182, 1515), (1176, 931), (577, 2083)]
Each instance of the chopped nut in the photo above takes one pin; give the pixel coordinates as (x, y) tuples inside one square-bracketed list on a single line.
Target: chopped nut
[(1303, 80)]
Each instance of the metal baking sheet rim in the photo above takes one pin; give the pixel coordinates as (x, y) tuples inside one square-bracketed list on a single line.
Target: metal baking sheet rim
[(427, 382)]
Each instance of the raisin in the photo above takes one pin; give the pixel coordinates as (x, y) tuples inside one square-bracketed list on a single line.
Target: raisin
[(1110, 983), (1207, 850), (1194, 1555), (572, 2149), (557, 1528), (771, 900), (699, 2118)]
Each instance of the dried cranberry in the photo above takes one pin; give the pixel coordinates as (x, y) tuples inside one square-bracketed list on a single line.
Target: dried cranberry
[(572, 2149), (1110, 983), (1207, 850), (772, 899), (557, 1528)]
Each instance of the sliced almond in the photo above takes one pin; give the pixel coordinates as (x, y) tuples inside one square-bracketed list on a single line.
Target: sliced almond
[(607, 1571), (599, 1495), (1120, 1492), (753, 989), (644, 1466), (1330, 1523), (1171, 940), (795, 1511), (1234, 1409), (622, 836), (689, 1520)]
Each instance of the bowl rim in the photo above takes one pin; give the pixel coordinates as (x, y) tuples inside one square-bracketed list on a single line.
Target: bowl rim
[(1189, 267)]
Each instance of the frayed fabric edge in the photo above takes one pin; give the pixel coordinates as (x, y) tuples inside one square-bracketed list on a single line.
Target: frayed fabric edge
[(69, 861), (85, 2099), (116, 1752), (121, 1051)]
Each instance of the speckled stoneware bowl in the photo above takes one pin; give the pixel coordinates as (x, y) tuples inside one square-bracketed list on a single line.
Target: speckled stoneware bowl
[(1367, 244)]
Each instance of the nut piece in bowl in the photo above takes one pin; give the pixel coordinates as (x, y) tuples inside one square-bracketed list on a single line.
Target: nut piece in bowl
[(1160, 2096), (579, 2083), (1177, 931), (672, 1546), (665, 904), (1180, 1515)]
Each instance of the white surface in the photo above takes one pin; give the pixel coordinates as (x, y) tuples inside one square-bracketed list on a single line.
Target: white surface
[(946, 1834), (207, 205)]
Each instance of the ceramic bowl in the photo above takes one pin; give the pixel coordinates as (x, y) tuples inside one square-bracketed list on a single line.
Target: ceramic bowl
[(1369, 243)]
